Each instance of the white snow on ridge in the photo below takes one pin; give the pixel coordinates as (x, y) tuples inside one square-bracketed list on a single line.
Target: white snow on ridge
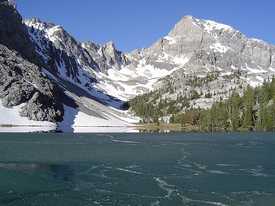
[(49, 31), (181, 60), (218, 47), (253, 81), (257, 40), (37, 25), (212, 25), (253, 70), (54, 29), (171, 40), (129, 82)]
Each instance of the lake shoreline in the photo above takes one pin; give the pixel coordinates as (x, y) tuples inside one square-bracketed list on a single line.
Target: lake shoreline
[(136, 128)]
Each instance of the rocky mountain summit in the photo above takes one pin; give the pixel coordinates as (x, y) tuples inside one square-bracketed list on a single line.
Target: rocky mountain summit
[(207, 59), (54, 77)]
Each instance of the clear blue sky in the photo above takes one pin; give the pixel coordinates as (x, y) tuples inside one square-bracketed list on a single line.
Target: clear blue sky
[(135, 24)]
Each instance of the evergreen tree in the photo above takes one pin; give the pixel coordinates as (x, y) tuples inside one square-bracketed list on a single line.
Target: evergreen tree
[(234, 104), (248, 103)]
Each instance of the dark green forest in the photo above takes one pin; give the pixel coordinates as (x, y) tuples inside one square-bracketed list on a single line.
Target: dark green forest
[(254, 110)]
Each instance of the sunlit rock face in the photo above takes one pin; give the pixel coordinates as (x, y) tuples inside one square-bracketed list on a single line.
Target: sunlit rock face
[(193, 48), (196, 49)]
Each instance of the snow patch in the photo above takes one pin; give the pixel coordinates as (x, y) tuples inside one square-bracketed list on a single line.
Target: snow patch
[(234, 67), (254, 83), (253, 70), (10, 120), (170, 39), (258, 40), (210, 26), (79, 122), (218, 47), (48, 30), (129, 82), (181, 60)]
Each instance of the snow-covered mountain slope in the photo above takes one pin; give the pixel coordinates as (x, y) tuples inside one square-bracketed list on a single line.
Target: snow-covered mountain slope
[(79, 63), (98, 68), (194, 50), (210, 58), (47, 80), (86, 113)]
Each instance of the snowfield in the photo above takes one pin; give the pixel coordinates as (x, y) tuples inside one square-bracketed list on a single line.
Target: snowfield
[(129, 82), (79, 122), (74, 121), (11, 121)]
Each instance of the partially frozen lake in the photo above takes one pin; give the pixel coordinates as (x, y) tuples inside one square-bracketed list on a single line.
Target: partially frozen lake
[(137, 169)]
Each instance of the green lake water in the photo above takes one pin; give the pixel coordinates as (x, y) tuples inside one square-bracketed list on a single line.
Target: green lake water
[(137, 169)]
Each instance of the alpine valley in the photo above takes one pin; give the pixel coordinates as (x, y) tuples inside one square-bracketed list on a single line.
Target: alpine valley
[(51, 81)]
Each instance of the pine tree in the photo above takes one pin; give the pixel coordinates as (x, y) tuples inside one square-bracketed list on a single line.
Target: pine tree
[(234, 104), (248, 104)]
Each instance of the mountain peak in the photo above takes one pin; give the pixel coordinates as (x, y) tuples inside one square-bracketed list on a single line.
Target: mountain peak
[(187, 20), (186, 24), (210, 25), (38, 24), (191, 24), (110, 47), (110, 44)]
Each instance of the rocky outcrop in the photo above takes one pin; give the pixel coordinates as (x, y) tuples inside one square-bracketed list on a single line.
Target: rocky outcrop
[(106, 56), (21, 79), (13, 33), (22, 82)]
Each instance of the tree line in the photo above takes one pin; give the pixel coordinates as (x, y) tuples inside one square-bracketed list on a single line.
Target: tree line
[(254, 110)]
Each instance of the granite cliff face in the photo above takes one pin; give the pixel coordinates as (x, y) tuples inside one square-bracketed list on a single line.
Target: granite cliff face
[(210, 58)]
